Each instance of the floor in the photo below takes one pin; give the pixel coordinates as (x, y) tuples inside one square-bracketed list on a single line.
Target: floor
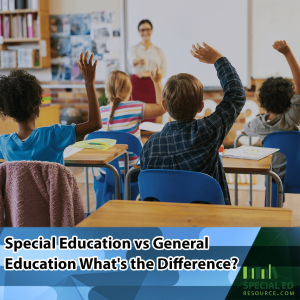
[(292, 201)]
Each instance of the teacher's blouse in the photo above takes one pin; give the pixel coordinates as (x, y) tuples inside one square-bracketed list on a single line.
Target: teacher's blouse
[(153, 56)]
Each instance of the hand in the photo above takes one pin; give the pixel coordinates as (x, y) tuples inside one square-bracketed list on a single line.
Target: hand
[(206, 54), (138, 61), (282, 47), (139, 74), (156, 75), (87, 69)]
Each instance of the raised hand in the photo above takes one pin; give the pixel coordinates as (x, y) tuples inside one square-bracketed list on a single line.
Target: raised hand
[(282, 47), (87, 69), (205, 54), (156, 75)]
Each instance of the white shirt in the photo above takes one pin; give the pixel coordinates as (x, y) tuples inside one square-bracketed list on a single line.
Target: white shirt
[(152, 56)]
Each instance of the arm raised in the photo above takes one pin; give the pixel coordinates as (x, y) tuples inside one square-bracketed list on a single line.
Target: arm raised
[(88, 71), (282, 47), (155, 110)]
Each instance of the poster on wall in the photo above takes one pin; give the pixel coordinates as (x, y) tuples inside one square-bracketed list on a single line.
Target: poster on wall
[(73, 34), (80, 24)]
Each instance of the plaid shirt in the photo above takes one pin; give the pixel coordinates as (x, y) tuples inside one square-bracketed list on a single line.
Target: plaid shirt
[(193, 145)]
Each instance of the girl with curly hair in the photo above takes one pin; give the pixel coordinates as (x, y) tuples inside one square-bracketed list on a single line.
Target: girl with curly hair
[(20, 99)]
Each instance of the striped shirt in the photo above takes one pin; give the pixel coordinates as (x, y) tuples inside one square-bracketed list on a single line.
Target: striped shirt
[(127, 118)]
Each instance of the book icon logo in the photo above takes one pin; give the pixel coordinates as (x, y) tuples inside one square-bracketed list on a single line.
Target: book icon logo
[(260, 273)]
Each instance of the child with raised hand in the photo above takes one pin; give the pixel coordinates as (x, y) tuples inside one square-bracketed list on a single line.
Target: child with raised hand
[(190, 144), (281, 100), (124, 115), (20, 99)]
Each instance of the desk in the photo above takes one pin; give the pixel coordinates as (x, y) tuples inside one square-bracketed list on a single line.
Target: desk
[(153, 214), (99, 158), (236, 166)]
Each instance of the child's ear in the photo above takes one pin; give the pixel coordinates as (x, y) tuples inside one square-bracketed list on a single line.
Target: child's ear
[(201, 107), (164, 105), (37, 111)]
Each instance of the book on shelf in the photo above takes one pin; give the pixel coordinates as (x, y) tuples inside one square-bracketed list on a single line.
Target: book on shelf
[(28, 56), (6, 27), (8, 59), (11, 5), (4, 5), (20, 4), (29, 26), (34, 4)]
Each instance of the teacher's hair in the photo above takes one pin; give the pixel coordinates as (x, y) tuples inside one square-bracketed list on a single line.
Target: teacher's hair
[(143, 22), (117, 88)]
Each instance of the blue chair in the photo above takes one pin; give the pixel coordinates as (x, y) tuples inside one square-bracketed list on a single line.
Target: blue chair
[(104, 185), (289, 144), (179, 186)]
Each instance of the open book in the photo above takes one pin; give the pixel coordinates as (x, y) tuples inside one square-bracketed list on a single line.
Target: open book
[(249, 152)]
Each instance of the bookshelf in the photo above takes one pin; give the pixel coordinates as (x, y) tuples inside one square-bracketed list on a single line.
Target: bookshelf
[(15, 40)]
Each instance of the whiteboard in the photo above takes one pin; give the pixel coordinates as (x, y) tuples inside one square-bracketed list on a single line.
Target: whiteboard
[(274, 20), (177, 24)]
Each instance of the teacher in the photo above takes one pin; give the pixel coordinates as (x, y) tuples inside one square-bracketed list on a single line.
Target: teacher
[(143, 58)]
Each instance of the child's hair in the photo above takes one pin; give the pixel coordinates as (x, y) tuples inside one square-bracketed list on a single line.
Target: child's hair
[(275, 94), (118, 87), (20, 93), (183, 94)]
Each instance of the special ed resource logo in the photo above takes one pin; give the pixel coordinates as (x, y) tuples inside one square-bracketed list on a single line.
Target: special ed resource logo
[(265, 281)]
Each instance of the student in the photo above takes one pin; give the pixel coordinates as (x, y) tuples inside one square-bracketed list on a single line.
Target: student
[(189, 144), (20, 99), (124, 115), (282, 103)]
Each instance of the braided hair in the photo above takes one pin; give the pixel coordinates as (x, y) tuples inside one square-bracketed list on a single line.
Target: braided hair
[(118, 87)]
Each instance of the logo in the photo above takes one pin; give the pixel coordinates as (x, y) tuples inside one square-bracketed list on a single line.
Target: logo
[(265, 281), (260, 273)]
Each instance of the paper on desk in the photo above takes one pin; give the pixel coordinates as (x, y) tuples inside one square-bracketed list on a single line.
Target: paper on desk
[(70, 151), (149, 126), (249, 152)]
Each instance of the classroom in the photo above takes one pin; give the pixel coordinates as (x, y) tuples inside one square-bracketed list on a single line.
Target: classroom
[(114, 114)]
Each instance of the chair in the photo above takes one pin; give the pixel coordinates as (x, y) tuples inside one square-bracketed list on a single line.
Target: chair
[(179, 186), (104, 186), (289, 144), (39, 194)]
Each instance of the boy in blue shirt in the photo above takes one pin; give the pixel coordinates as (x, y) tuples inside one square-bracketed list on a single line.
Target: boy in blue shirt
[(189, 144), (20, 99)]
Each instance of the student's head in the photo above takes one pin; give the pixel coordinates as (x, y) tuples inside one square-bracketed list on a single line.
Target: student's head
[(20, 96), (183, 96), (145, 28), (275, 94), (117, 89)]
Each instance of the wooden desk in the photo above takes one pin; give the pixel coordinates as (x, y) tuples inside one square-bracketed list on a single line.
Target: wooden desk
[(122, 213), (49, 116), (100, 159), (93, 157), (234, 165)]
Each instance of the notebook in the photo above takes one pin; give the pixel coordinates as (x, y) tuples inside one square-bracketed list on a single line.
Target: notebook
[(249, 152)]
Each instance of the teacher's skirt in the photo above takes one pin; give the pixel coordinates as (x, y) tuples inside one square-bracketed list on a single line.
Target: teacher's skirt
[(143, 90)]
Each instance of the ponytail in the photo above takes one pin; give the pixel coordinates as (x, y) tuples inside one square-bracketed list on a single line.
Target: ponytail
[(115, 103), (118, 87)]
